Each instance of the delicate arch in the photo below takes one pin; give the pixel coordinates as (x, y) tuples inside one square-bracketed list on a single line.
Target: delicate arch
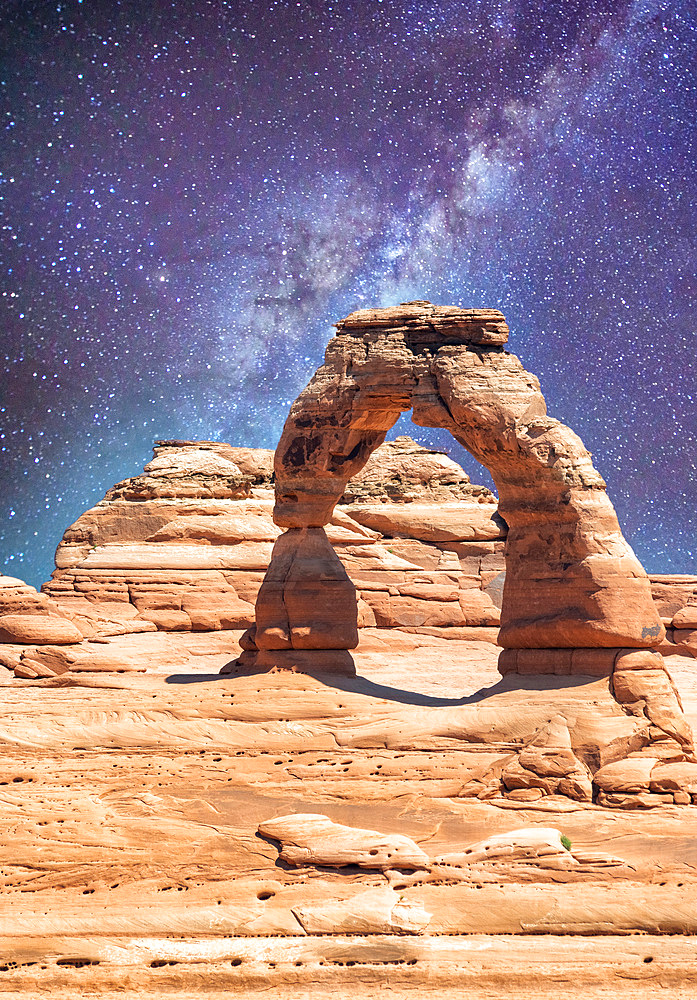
[(575, 600), (572, 581)]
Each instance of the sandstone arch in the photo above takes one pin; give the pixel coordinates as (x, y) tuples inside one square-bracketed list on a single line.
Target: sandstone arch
[(576, 599), (572, 581)]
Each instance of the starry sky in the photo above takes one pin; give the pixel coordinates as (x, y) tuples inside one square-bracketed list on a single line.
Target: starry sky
[(191, 192)]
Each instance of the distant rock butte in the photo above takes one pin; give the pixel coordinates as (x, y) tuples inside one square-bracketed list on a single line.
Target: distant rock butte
[(185, 546)]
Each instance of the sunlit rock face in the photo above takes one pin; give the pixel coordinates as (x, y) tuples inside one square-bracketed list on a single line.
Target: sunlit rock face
[(383, 559)]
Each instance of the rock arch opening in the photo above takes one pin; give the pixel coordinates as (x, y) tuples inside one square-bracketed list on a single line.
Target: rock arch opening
[(438, 439)]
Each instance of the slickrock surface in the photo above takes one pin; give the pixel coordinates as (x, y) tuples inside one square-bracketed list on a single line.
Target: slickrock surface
[(132, 863), (183, 818)]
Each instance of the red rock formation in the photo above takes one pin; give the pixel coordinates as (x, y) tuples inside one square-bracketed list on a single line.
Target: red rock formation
[(28, 618), (289, 614), (575, 600), (161, 547), (184, 548), (411, 547), (571, 579), (682, 631)]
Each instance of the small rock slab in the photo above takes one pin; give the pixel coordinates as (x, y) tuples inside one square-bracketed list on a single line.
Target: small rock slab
[(377, 911), (674, 776), (38, 629), (310, 838), (526, 844)]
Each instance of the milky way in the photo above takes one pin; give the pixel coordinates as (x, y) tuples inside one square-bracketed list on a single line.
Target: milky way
[(191, 193)]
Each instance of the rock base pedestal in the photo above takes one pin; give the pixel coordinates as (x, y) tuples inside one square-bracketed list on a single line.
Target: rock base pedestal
[(307, 600), (563, 662), (337, 662), (306, 611)]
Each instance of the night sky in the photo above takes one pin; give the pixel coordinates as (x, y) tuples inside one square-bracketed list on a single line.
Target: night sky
[(192, 192)]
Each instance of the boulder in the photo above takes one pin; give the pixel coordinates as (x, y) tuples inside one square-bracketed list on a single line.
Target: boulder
[(35, 629), (674, 776), (686, 641), (548, 763), (631, 776), (523, 845), (310, 838), (686, 617), (651, 692), (19, 598)]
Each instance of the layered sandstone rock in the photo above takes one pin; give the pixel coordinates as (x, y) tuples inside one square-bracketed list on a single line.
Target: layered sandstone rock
[(202, 470), (547, 765), (571, 579), (28, 618), (671, 592), (411, 547), (18, 598), (313, 838), (184, 548), (575, 601), (675, 596), (402, 471), (288, 615), (683, 630), (162, 548)]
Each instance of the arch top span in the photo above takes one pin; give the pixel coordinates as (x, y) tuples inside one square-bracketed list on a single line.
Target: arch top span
[(379, 364), (571, 578)]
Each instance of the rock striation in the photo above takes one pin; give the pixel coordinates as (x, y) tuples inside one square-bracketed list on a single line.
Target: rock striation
[(675, 596), (427, 824), (423, 546), (27, 618), (133, 804)]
